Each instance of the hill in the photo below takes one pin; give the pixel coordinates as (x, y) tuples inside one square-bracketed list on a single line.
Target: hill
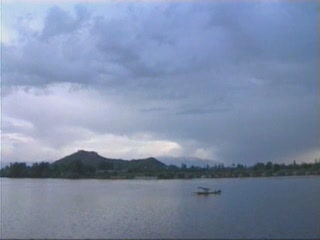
[(93, 160), (150, 164)]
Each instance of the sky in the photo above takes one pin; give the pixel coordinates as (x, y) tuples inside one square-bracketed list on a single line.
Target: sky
[(229, 81)]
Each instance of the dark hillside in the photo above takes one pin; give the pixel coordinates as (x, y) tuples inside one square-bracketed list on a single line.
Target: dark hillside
[(149, 164), (87, 158), (88, 162)]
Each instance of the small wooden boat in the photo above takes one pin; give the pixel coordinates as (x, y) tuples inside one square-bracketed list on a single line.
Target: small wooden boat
[(206, 191)]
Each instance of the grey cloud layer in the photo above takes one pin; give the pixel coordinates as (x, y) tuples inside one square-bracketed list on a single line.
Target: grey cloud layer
[(163, 40), (241, 77)]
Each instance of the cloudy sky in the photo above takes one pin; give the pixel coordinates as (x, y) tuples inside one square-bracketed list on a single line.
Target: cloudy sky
[(231, 81)]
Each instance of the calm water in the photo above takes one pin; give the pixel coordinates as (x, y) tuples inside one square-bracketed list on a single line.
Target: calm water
[(287, 207)]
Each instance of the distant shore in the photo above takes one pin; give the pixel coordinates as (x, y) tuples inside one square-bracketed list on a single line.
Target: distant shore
[(90, 165), (46, 170), (155, 178)]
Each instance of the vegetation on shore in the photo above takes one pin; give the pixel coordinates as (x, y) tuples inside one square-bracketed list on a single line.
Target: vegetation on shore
[(90, 165)]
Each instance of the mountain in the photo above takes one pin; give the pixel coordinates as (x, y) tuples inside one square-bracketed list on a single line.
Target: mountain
[(146, 164), (189, 161), (87, 158), (94, 160)]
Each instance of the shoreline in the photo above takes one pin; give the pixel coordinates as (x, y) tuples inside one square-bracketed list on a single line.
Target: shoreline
[(166, 179)]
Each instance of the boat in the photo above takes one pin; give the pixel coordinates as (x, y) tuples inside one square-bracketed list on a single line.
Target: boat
[(206, 191)]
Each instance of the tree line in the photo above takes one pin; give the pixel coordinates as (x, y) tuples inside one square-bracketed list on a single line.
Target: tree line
[(76, 169)]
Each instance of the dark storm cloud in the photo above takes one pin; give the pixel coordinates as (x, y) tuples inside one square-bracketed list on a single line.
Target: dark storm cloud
[(59, 22), (239, 77), (158, 40)]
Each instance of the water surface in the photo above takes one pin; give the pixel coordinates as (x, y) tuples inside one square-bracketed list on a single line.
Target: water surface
[(281, 207)]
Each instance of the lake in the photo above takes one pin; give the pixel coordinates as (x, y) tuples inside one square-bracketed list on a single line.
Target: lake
[(275, 207)]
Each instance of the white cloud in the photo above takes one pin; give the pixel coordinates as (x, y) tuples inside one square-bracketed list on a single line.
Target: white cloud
[(23, 148), (45, 124), (8, 36), (126, 147), (18, 147), (204, 154), (18, 124)]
